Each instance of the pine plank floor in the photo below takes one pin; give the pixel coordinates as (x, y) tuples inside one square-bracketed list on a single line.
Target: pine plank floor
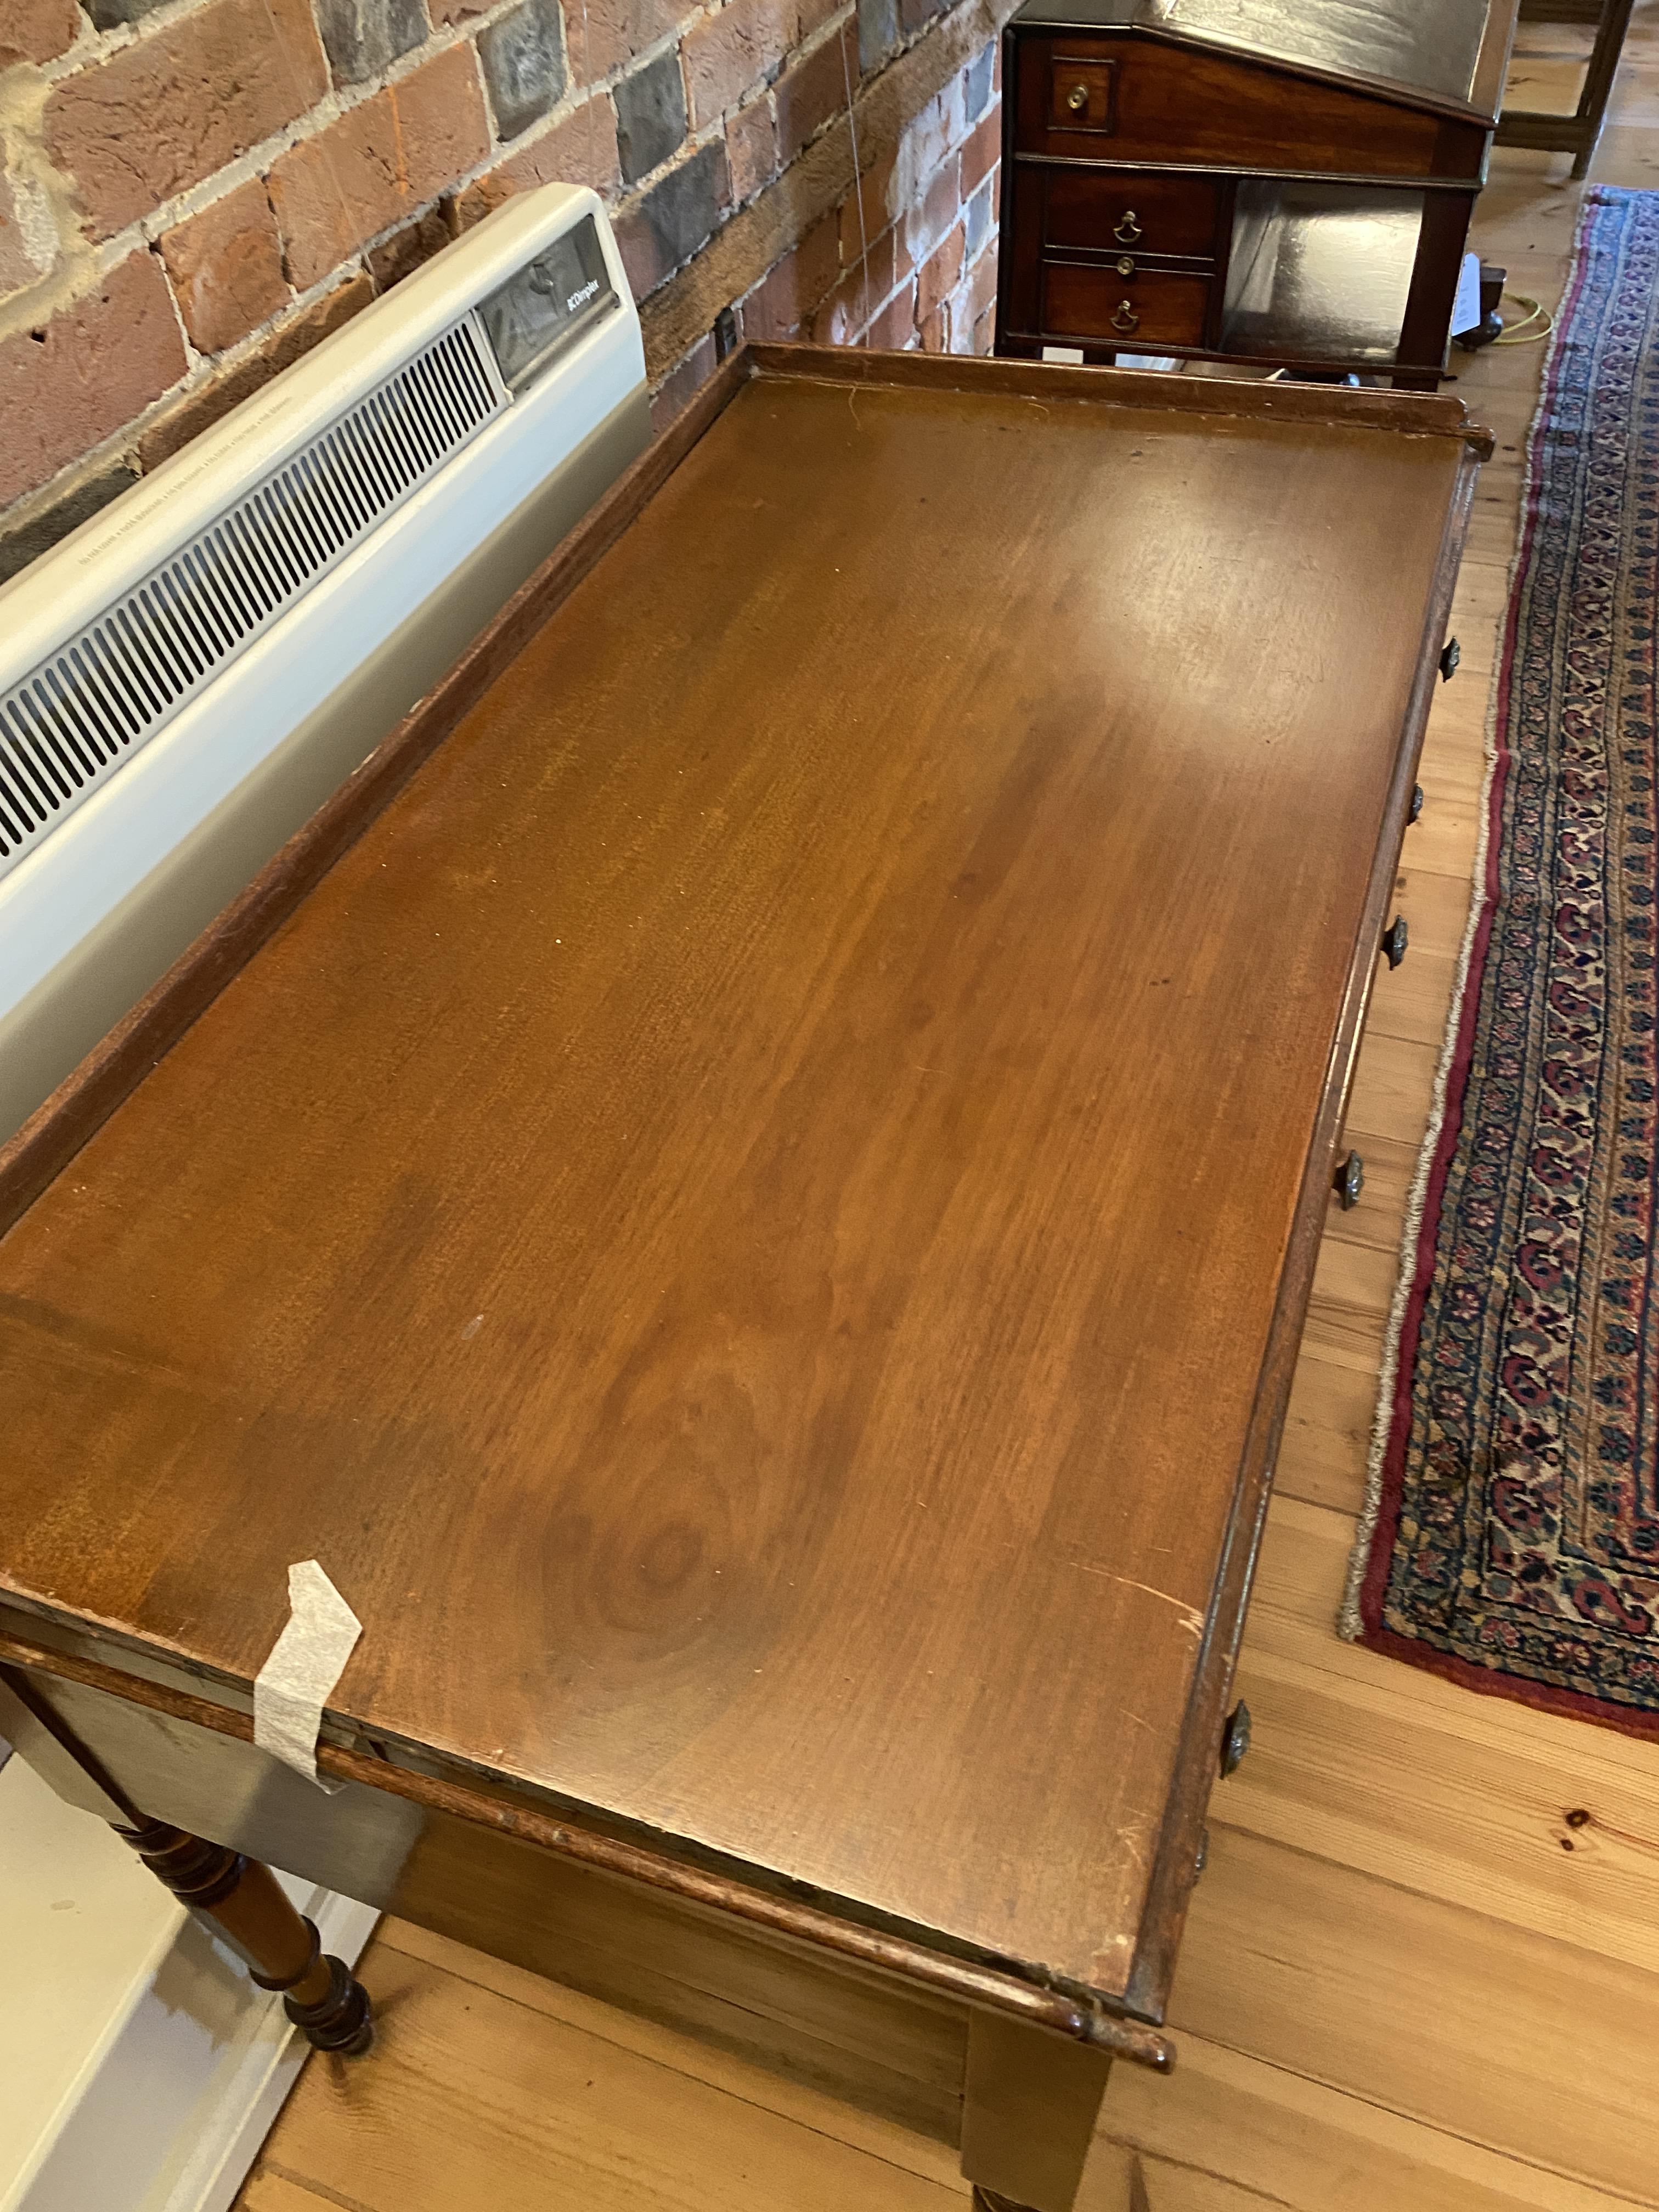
[(1410, 1984)]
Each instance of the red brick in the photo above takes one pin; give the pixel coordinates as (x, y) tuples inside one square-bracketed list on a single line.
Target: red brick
[(790, 292), (730, 51), (985, 333), (895, 327), (602, 35), (285, 344), (937, 273), (158, 116), (936, 330), (751, 149), (37, 30), (580, 150), (411, 247), (980, 288), (682, 385), (940, 204), (96, 364), (456, 11), (809, 95), (378, 161), (980, 152), (842, 313), (226, 264)]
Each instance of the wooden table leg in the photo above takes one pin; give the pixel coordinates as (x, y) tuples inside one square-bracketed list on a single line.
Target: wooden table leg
[(246, 1905), (1031, 2103)]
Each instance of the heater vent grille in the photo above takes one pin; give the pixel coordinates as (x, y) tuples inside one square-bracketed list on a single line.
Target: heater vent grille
[(72, 723)]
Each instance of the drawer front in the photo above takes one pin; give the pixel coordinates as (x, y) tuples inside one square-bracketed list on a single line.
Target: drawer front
[(1082, 95), (1114, 310), (1116, 212), (1140, 99)]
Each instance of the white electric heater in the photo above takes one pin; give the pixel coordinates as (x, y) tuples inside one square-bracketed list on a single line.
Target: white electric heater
[(185, 679)]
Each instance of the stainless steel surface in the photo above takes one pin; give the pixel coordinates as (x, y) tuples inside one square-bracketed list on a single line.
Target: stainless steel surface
[(1424, 46), (1320, 271)]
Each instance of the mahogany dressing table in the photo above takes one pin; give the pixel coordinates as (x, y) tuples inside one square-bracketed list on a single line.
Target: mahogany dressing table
[(1279, 183), (749, 1188)]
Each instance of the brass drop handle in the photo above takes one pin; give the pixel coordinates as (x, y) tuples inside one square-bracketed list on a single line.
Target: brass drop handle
[(1395, 939), (1350, 1180), (1126, 318), (1128, 229), (1077, 99)]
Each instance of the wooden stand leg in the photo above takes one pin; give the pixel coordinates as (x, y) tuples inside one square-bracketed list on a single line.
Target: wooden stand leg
[(1031, 2103), (245, 1903)]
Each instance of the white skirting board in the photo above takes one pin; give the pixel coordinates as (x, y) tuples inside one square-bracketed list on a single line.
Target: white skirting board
[(140, 2068)]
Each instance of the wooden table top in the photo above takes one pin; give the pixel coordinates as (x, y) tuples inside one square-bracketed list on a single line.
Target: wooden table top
[(756, 1221)]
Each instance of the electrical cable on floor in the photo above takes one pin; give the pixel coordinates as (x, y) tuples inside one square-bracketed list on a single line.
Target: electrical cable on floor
[(1519, 333)]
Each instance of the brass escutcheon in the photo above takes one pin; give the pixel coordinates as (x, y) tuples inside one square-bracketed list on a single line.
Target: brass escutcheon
[(1077, 99)]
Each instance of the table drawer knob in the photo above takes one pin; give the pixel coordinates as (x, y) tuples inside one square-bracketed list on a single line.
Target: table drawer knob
[(1395, 939), (1349, 1180), (1125, 264), (1450, 659), (1417, 803), (1236, 1739), (1126, 318), (1128, 229), (1077, 99)]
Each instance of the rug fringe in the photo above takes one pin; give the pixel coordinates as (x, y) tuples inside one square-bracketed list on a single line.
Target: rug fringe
[(1349, 1624)]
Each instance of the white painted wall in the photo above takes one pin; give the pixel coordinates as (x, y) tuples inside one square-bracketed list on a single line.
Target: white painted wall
[(140, 2068)]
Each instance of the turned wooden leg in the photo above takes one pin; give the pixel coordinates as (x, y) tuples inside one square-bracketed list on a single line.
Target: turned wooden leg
[(246, 1904), (1030, 2105)]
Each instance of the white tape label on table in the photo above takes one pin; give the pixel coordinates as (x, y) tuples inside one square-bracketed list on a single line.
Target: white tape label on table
[(306, 1661)]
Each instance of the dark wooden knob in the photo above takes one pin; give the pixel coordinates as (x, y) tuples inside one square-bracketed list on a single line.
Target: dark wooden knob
[(1126, 318), (1349, 1180), (1417, 803), (1235, 1739), (1395, 939), (1450, 659), (1128, 228)]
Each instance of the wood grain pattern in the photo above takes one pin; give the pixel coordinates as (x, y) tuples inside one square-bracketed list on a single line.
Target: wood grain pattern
[(1179, 104), (586, 1226), (1228, 2132)]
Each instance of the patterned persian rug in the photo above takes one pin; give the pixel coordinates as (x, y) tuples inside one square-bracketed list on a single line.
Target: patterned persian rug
[(1511, 1536)]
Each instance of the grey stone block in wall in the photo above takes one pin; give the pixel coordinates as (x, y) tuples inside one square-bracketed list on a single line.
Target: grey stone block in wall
[(29, 540), (523, 58), (681, 209), (979, 83), (650, 116), (106, 13), (879, 32), (363, 37)]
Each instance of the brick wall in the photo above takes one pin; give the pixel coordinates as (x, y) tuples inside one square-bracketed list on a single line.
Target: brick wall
[(192, 192)]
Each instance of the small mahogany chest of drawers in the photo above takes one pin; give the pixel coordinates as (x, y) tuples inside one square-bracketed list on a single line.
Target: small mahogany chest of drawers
[(1279, 183)]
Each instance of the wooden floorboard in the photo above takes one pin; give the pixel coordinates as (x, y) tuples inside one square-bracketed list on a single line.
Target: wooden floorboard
[(1410, 1984)]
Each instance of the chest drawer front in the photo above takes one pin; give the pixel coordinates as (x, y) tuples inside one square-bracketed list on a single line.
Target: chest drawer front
[(1082, 94), (1101, 304), (1116, 212), (1142, 100)]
